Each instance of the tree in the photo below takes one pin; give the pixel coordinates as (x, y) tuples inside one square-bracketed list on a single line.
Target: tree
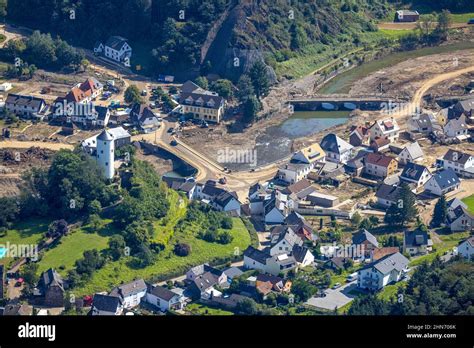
[(227, 223), (94, 207), (222, 87), (298, 37), (444, 22), (440, 212), (145, 256), (356, 219), (202, 82), (404, 210), (9, 210), (251, 108), (303, 290), (225, 238), (57, 229), (368, 305), (117, 246), (259, 76), (30, 274), (132, 95), (244, 88), (182, 249), (91, 261), (247, 306)]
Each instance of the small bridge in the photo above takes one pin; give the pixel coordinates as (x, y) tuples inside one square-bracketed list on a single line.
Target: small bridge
[(343, 102)]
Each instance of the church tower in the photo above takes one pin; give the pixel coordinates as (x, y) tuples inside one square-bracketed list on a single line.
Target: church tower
[(105, 153)]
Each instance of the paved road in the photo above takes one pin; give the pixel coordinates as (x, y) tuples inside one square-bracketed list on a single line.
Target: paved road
[(334, 298)]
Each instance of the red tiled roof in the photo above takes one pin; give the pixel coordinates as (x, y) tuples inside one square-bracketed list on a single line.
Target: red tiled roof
[(378, 159)]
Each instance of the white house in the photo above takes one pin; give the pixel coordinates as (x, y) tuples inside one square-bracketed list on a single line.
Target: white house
[(165, 299), (336, 149), (416, 174), (466, 248), (387, 195), (303, 256), (106, 305), (281, 263), (411, 153), (461, 220), (462, 163), (116, 48), (457, 128), (376, 275), (284, 243), (25, 106), (276, 209), (385, 129), (130, 293), (219, 198), (256, 259), (417, 243), (443, 182)]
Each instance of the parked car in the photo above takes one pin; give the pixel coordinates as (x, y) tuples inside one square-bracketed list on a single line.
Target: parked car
[(471, 21), (170, 130), (173, 143), (336, 286), (223, 181)]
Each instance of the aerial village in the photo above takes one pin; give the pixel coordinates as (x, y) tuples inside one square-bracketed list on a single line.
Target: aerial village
[(352, 214)]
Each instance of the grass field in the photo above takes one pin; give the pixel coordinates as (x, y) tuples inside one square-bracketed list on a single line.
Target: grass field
[(461, 17), (448, 243), (394, 33), (71, 248), (118, 272), (390, 291), (200, 309), (28, 232), (470, 203)]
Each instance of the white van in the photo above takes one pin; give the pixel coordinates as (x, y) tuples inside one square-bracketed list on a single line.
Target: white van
[(352, 277)]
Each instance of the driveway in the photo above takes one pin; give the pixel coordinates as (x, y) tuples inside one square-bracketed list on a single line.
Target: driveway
[(334, 298)]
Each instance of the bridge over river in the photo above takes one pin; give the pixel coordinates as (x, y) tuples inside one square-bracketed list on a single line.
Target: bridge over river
[(344, 102)]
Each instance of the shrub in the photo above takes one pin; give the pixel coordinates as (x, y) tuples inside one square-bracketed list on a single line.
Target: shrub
[(182, 249)]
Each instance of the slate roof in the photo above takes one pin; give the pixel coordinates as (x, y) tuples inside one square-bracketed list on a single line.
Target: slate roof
[(25, 100), (224, 198), (199, 96), (413, 171), (456, 156), (332, 143), (105, 136), (205, 281), (470, 240), (116, 42), (465, 105), (233, 272), (50, 278), (446, 178), (364, 235), (299, 252), (388, 263), (256, 255), (129, 289), (416, 238), (388, 192), (162, 293), (106, 303)]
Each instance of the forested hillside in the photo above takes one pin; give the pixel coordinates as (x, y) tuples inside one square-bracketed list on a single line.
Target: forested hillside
[(209, 35)]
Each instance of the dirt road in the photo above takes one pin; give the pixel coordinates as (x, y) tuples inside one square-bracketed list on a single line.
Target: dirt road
[(13, 144)]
